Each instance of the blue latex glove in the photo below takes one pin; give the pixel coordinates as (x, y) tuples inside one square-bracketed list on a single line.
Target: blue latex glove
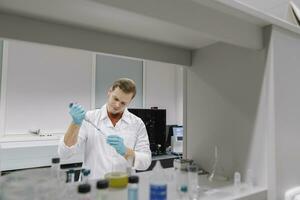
[(118, 143), (78, 113)]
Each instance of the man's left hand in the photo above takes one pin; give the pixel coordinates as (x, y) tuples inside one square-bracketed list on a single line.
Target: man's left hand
[(118, 143)]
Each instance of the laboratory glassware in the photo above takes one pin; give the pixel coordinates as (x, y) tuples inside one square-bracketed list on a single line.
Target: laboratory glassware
[(181, 173), (55, 168), (217, 172), (133, 187), (193, 185), (102, 193), (84, 191), (85, 174), (158, 184)]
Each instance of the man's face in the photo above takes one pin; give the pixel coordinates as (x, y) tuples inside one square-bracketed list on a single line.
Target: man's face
[(118, 101)]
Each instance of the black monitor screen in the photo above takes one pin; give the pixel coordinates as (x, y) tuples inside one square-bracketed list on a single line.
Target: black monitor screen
[(155, 122)]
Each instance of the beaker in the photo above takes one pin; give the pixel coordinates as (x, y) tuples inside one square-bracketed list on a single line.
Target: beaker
[(193, 185), (181, 173)]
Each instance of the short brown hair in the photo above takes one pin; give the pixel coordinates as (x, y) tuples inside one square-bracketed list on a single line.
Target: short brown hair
[(126, 85)]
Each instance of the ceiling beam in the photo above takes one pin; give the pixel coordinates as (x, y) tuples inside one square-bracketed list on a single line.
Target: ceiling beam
[(212, 23), (32, 30)]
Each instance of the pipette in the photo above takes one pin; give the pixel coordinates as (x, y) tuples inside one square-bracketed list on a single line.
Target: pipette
[(88, 121)]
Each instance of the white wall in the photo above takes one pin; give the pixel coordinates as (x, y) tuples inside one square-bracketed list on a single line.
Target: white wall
[(110, 68), (247, 102), (286, 47), (164, 89), (40, 81), (224, 87), (1, 52)]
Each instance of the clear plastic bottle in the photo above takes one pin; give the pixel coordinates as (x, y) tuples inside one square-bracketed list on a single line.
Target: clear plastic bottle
[(69, 187), (84, 191), (55, 168), (133, 188), (102, 193), (237, 182), (158, 184), (249, 179), (70, 176)]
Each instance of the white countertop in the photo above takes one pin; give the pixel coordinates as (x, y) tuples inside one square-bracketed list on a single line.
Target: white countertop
[(32, 180), (221, 190)]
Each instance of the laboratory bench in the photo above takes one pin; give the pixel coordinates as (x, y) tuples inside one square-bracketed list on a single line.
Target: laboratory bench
[(42, 185), (208, 190), (165, 159)]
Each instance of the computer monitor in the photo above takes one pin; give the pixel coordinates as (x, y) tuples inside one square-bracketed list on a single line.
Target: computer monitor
[(178, 131), (177, 140)]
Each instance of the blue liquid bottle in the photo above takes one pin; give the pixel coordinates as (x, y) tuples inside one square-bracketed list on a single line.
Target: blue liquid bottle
[(158, 184)]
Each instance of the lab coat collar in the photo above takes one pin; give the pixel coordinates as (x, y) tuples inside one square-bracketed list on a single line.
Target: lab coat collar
[(125, 116)]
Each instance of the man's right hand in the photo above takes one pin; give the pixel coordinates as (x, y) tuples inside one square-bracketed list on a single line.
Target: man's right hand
[(78, 113)]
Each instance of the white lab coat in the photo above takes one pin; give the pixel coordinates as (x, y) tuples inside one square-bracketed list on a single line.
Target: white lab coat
[(101, 157)]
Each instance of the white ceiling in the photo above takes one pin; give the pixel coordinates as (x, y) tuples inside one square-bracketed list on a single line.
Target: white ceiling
[(264, 4), (190, 24), (94, 15), (277, 8)]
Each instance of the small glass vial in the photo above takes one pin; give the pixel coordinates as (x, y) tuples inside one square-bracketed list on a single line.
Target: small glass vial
[(70, 176), (55, 168), (84, 191), (85, 175), (237, 182), (249, 179), (102, 193), (184, 193), (133, 188)]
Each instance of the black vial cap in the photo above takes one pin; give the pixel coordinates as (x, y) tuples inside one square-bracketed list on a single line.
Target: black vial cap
[(102, 184), (133, 179), (84, 188), (55, 160)]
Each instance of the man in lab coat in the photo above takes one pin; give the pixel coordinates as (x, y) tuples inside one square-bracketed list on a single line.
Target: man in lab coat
[(121, 140)]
